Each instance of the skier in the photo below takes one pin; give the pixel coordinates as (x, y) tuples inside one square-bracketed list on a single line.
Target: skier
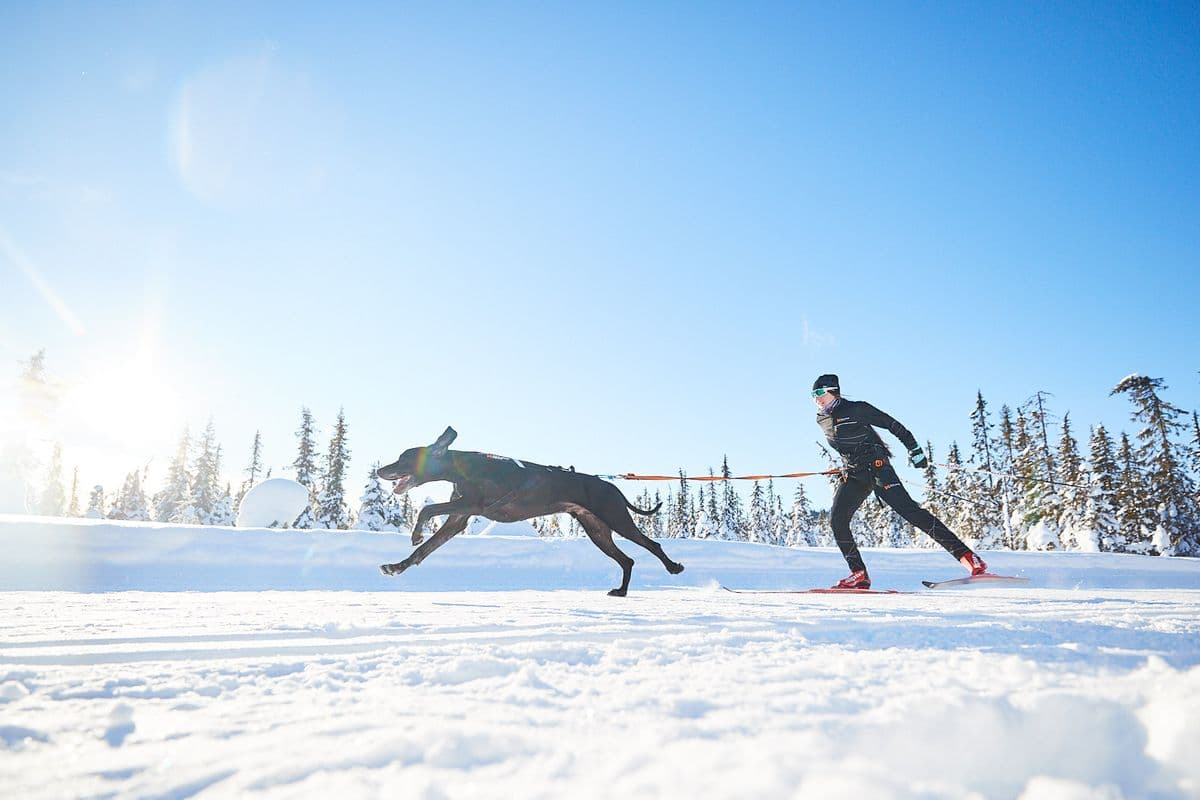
[(848, 427)]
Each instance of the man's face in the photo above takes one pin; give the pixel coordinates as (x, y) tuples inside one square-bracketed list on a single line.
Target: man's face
[(824, 398)]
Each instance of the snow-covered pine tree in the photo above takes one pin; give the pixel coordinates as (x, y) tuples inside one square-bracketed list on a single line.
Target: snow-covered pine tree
[(1073, 533), (1038, 509), (758, 524), (824, 530), (1100, 516), (1048, 502), (305, 465), (986, 526), (653, 525), (779, 523), (801, 521), (756, 516), (130, 503), (774, 532), (958, 513), (733, 518), (706, 523), (934, 498), (372, 509), (1039, 416), (981, 438), (1177, 522), (1133, 506), (332, 512), (694, 511), (1195, 458), (253, 470), (206, 475), (223, 513), (95, 509), (306, 468), (681, 520), (1006, 487), (714, 510), (176, 494), (1196, 446), (670, 515), (54, 497), (73, 503)]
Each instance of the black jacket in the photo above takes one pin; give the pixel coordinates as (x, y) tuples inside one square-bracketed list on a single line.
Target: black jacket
[(848, 427)]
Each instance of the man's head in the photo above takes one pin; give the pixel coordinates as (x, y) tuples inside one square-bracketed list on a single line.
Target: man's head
[(826, 391)]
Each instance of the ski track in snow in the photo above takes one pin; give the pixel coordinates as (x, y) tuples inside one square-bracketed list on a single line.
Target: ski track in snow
[(672, 693), (1085, 684)]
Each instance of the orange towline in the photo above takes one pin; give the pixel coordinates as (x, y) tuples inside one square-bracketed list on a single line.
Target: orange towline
[(629, 476)]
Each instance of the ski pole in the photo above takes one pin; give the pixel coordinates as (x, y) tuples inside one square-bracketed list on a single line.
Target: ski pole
[(1010, 475), (955, 496)]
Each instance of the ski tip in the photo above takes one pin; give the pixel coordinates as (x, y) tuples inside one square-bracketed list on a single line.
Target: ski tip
[(986, 577)]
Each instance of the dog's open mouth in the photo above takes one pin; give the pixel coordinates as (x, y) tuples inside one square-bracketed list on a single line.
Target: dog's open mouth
[(400, 485)]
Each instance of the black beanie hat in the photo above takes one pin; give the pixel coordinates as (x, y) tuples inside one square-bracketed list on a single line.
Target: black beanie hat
[(827, 382)]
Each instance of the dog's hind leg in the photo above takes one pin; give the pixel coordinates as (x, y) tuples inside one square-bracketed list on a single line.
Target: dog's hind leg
[(453, 526), (601, 536), (620, 521)]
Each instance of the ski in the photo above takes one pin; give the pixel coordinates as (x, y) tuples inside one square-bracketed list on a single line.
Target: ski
[(814, 591), (985, 577)]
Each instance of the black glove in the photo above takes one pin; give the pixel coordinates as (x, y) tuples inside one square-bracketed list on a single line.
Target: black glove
[(916, 457)]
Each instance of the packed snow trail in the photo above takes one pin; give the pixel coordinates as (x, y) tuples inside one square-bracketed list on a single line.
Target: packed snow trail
[(1037, 692), (99, 556)]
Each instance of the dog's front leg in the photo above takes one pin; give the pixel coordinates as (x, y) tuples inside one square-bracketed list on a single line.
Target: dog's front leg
[(455, 525), (429, 512)]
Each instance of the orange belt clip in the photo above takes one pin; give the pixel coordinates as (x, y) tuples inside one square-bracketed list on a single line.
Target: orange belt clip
[(878, 463)]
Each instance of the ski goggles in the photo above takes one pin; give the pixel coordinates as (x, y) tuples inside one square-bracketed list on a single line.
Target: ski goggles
[(823, 391)]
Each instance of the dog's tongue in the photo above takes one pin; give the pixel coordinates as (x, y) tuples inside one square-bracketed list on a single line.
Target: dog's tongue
[(399, 487)]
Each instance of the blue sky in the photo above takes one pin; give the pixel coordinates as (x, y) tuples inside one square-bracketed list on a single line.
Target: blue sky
[(619, 236)]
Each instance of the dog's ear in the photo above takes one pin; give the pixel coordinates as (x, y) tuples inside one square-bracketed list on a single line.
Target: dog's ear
[(443, 442)]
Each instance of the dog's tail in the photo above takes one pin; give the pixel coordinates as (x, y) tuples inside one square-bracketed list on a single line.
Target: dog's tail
[(642, 511)]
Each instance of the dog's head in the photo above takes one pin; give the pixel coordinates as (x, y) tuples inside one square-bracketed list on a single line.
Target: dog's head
[(412, 467)]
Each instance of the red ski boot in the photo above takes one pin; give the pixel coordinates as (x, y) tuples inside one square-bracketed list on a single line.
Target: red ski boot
[(973, 563), (855, 580)]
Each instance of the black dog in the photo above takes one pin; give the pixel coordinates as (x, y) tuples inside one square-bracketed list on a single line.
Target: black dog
[(507, 490)]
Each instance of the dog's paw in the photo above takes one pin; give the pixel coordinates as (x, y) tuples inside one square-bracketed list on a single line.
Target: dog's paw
[(617, 593), (675, 568), (391, 569)]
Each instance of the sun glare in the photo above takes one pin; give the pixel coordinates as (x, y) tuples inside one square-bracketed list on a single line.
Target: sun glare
[(126, 404)]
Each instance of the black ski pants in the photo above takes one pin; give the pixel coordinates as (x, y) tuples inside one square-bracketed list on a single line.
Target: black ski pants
[(857, 485)]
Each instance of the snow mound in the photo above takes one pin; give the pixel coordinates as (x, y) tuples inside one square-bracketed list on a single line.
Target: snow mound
[(273, 502)]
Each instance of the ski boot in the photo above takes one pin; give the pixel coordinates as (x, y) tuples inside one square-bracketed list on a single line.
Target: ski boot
[(855, 580), (973, 563)]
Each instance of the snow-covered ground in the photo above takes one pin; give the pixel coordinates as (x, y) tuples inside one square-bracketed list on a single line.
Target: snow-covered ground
[(139, 660)]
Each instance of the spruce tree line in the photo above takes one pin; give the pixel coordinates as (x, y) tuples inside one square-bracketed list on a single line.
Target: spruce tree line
[(1024, 482), (192, 494)]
